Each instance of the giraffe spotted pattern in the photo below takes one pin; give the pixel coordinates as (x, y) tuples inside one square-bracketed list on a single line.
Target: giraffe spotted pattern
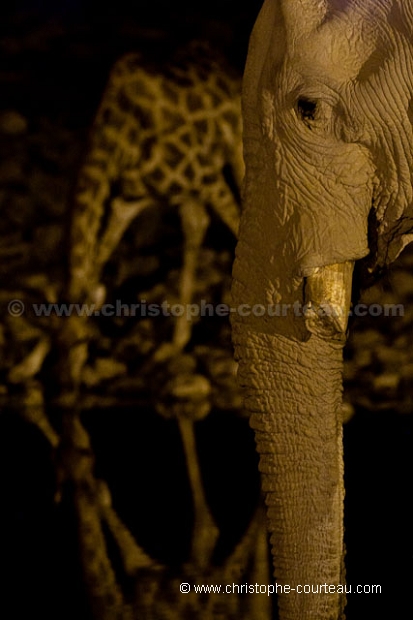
[(162, 136), (166, 135)]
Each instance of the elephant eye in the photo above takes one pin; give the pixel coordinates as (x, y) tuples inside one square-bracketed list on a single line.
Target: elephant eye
[(307, 110)]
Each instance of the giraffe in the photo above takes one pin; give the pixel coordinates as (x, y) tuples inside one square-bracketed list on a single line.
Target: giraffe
[(161, 136), (118, 180)]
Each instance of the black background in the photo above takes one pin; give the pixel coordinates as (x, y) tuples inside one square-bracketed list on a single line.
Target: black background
[(64, 50)]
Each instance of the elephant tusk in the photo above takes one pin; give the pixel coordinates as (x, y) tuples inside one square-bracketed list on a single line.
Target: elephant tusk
[(327, 300)]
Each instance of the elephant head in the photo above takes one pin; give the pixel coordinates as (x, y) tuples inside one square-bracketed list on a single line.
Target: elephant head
[(328, 112)]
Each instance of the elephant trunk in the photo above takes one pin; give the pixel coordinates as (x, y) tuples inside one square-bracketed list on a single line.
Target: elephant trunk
[(292, 389)]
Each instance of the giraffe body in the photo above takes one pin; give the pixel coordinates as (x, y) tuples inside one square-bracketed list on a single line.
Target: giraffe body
[(162, 136)]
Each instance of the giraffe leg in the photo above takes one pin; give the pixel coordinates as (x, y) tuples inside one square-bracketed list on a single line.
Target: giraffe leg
[(77, 329), (32, 363), (103, 590), (121, 215), (77, 468), (133, 556), (205, 532), (195, 222), (225, 204)]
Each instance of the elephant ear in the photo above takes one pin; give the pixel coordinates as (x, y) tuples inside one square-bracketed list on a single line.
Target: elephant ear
[(266, 40), (389, 88)]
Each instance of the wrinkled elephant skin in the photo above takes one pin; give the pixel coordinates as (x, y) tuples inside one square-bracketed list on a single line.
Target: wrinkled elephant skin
[(327, 105)]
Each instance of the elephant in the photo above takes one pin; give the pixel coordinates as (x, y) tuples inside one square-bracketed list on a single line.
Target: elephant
[(327, 205)]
